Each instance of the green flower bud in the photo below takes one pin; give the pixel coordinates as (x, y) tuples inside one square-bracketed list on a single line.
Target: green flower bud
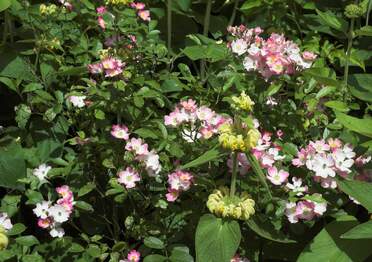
[(4, 241), (353, 11)]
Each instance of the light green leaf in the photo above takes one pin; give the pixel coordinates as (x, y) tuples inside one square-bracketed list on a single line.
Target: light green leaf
[(360, 86), (216, 240), (338, 105), (206, 157), (4, 4), (361, 191), (27, 241), (181, 254), (86, 189), (333, 21), (361, 126), (328, 246), (155, 258), (153, 242), (360, 231), (250, 4), (364, 31), (16, 229)]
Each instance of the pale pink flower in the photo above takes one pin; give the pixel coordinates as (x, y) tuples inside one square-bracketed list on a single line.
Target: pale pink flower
[(362, 160), (239, 46), (334, 143), (138, 5), (77, 101), (301, 158), (101, 22), (120, 132), (180, 180), (204, 113), (309, 55), (290, 212), (95, 68), (134, 256), (64, 191), (137, 146), (305, 210), (101, 10), (172, 195), (112, 66), (279, 133), (128, 177), (320, 146), (189, 105), (277, 177), (44, 223), (144, 15)]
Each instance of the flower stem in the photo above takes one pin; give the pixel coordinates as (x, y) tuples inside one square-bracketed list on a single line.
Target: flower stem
[(257, 169), (234, 174), (169, 26), (368, 11), (233, 15), (348, 53), (207, 19)]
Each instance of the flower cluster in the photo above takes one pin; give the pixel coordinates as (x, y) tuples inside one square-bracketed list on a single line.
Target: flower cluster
[(305, 209), (77, 101), (110, 66), (237, 207), (41, 172), (238, 258), (142, 13), (52, 216), (133, 256), (273, 56), (196, 121), (239, 138), (150, 159), (178, 182), (326, 159), (47, 9), (242, 102)]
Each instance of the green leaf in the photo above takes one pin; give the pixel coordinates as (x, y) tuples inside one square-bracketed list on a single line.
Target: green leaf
[(4, 4), (359, 232), (330, 19), (216, 240), (153, 242), (84, 206), (181, 254), (32, 87), (328, 246), (18, 68), (364, 31), (75, 248), (361, 126), (267, 230), (32, 258), (146, 133), (27, 241), (337, 105), (325, 91), (250, 4), (23, 113), (10, 203), (172, 85), (88, 4), (155, 258), (206, 157), (12, 167), (361, 191), (9, 83), (360, 86), (16, 229), (86, 189)]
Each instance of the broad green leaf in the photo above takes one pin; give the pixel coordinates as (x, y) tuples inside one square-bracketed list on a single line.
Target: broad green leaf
[(84, 206), (88, 4), (16, 229), (9, 83), (206, 157), (146, 133), (337, 105), (361, 126), (27, 241), (86, 189), (181, 254), (10, 204), (4, 4), (361, 191), (213, 51), (325, 91), (322, 75), (249, 4), (364, 31), (18, 68), (184, 4), (267, 230), (328, 246), (23, 113), (360, 231), (155, 258), (333, 21), (12, 166), (361, 87), (153, 242), (216, 239), (172, 85)]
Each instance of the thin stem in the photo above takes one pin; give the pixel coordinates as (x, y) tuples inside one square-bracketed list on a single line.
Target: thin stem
[(207, 19), (5, 32), (348, 53), (169, 26), (233, 15), (234, 174), (368, 11), (257, 169)]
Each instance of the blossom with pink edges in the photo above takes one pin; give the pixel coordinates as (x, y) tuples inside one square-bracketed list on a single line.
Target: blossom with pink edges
[(137, 146), (134, 256), (178, 181), (277, 177), (144, 15), (120, 132), (129, 177), (305, 210)]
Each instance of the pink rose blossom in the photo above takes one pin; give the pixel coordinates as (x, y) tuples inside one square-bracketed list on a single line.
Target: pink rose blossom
[(144, 15), (101, 10), (120, 132), (128, 177), (134, 256), (101, 22), (137, 146), (172, 195), (277, 177)]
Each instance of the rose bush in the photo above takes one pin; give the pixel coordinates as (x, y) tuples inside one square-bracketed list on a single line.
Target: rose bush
[(211, 131)]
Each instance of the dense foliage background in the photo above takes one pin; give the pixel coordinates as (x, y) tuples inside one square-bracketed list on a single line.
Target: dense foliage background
[(120, 125)]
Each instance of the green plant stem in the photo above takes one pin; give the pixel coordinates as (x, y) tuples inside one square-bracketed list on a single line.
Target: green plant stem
[(207, 20), (233, 15), (5, 28), (234, 174), (348, 53), (368, 11), (169, 26), (257, 169)]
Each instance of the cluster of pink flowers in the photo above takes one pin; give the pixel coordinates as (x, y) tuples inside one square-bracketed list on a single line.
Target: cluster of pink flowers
[(101, 22), (305, 209), (178, 182), (52, 216), (273, 56), (142, 13), (148, 158), (110, 66), (133, 256), (327, 159), (238, 258), (196, 121)]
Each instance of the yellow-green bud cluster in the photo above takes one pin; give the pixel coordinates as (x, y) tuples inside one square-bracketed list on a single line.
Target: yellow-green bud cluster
[(4, 241), (49, 43), (47, 9), (236, 207), (242, 102), (118, 2), (354, 11), (238, 140)]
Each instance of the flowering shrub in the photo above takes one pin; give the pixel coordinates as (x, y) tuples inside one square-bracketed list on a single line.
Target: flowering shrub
[(165, 131)]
